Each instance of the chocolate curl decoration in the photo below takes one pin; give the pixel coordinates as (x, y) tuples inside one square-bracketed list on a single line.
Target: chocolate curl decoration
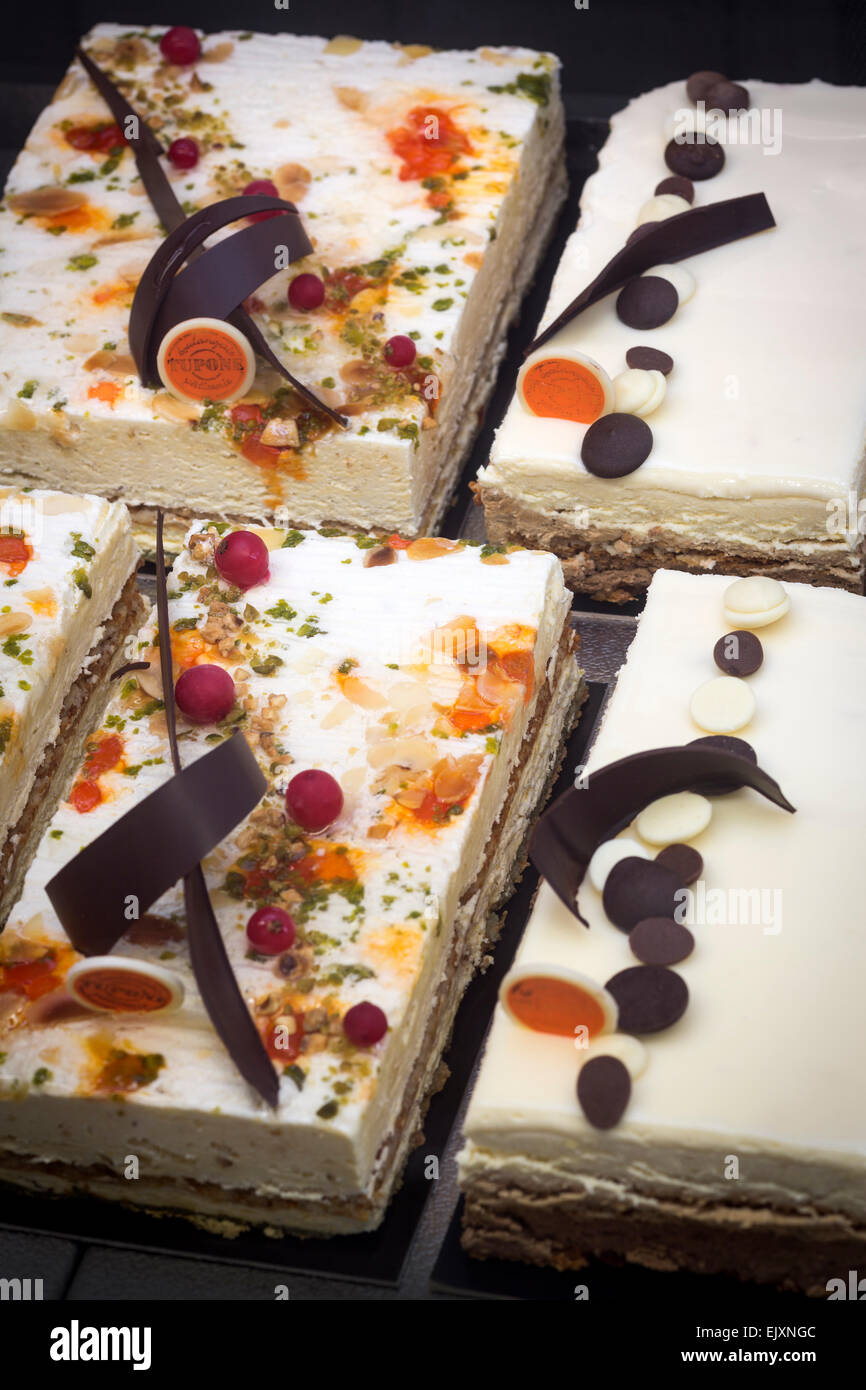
[(687, 234), (211, 286), (569, 833), (160, 840)]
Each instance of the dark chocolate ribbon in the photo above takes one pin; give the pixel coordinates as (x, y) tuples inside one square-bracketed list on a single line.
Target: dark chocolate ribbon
[(147, 151), (674, 239), (160, 840), (569, 833)]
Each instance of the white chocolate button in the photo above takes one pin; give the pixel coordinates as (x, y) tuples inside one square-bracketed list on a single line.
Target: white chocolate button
[(628, 1050), (672, 820), (638, 392), (682, 280), (722, 705), (610, 852), (755, 602), (661, 206), (124, 985)]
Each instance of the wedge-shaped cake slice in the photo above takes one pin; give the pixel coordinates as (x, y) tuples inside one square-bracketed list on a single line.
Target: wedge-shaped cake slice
[(742, 1148), (67, 600), (748, 467), (427, 183), (429, 685)]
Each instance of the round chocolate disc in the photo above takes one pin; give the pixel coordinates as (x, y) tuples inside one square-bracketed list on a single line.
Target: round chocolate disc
[(727, 96), (616, 444), (649, 998), (649, 359), (603, 1090), (695, 158), (640, 231), (738, 653), (682, 860), (661, 941), (648, 301), (637, 888), (728, 744), (700, 83), (683, 188)]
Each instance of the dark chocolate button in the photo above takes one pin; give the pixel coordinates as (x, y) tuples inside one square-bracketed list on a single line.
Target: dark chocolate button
[(683, 861), (683, 188), (700, 83), (648, 301), (640, 231), (695, 158), (738, 653), (616, 444), (603, 1090), (661, 941), (727, 96), (728, 744), (650, 360), (637, 888), (649, 998)]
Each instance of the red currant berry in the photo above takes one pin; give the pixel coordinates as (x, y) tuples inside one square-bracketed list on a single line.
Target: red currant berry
[(180, 45), (399, 351), (266, 189), (271, 931), (365, 1024), (314, 799), (306, 292), (183, 153), (205, 694), (242, 559)]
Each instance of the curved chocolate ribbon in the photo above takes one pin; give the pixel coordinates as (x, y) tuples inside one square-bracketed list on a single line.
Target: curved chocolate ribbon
[(569, 833), (160, 840), (686, 234), (147, 151)]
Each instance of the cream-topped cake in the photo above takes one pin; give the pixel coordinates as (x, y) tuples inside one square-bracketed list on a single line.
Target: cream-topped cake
[(749, 381), (407, 705), (67, 601), (742, 1147), (427, 182)]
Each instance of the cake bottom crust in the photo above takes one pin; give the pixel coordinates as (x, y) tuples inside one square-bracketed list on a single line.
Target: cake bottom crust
[(82, 708), (228, 1211), (793, 1250), (616, 566)]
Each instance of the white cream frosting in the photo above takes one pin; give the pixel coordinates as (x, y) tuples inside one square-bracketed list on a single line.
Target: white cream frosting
[(765, 1065), (763, 421), (198, 1119), (40, 659)]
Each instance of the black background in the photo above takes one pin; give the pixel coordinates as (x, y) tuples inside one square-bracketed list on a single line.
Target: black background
[(613, 47)]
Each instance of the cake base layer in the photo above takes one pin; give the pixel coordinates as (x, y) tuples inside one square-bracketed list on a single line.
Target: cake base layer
[(617, 566), (229, 1210), (81, 712), (562, 1227)]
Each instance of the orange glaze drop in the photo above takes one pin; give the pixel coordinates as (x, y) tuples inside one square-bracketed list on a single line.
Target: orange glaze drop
[(103, 755), (15, 554), (327, 866), (549, 1005), (87, 218), (280, 1046), (107, 391), (30, 978), (429, 143)]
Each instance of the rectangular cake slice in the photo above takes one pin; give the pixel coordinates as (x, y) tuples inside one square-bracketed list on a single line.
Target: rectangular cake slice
[(427, 182), (743, 1146), (757, 458), (433, 681), (67, 600)]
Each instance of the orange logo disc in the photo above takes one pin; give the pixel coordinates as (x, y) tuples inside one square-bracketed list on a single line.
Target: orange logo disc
[(123, 987), (555, 1000), (206, 360), (564, 387)]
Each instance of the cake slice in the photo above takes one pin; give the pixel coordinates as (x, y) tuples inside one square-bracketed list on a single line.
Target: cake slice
[(743, 1146), (427, 686), (748, 471), (67, 601), (428, 183)]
